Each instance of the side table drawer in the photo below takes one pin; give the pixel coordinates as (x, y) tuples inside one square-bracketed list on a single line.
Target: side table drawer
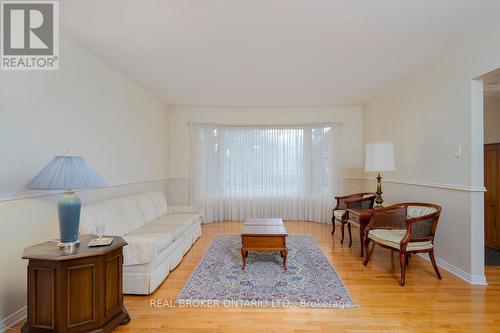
[(354, 218)]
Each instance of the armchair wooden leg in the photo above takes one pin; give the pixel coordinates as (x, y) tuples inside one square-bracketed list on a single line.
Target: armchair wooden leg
[(361, 240), (367, 251), (402, 260), (350, 234), (342, 229), (433, 261), (333, 226)]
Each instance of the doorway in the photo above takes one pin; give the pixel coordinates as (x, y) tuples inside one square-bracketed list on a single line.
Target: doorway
[(491, 99)]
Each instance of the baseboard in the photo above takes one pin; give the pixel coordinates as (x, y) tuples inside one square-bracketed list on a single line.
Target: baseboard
[(469, 278), (13, 319)]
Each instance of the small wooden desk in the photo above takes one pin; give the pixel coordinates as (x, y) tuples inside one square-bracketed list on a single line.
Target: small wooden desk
[(263, 235), (77, 291), (361, 217)]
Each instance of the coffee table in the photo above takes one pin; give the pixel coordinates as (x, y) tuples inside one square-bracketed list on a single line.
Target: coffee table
[(263, 235)]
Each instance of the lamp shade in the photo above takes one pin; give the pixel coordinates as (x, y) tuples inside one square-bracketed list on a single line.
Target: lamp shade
[(66, 173), (380, 157)]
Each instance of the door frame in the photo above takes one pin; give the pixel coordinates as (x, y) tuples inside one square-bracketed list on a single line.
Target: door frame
[(477, 184)]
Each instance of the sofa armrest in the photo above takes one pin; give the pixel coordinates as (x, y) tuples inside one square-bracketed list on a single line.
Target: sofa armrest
[(184, 210), (139, 250)]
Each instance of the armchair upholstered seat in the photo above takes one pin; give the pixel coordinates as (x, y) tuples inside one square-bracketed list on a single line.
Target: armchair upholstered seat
[(357, 200), (393, 238), (405, 227), (339, 214)]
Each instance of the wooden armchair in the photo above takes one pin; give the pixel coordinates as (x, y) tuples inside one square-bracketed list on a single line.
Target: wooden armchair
[(358, 200), (405, 227)]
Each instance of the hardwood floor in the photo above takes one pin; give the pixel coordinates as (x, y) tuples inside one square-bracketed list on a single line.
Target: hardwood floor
[(425, 304)]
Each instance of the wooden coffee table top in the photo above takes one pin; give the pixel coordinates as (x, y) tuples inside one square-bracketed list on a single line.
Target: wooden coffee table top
[(263, 221), (263, 227), (263, 230)]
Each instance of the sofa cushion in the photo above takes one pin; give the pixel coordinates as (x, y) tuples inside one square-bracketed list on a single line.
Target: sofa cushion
[(184, 210), (147, 207), (160, 201), (152, 205), (393, 237), (129, 212), (142, 248), (184, 219), (101, 212), (175, 230)]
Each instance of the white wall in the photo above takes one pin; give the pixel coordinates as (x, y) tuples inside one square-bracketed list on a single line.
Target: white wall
[(425, 116), (491, 120), (95, 111), (351, 136)]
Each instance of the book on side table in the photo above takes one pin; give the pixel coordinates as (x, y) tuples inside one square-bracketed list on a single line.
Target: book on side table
[(102, 241)]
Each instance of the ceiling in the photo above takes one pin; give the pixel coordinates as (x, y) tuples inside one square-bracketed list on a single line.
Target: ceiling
[(273, 52)]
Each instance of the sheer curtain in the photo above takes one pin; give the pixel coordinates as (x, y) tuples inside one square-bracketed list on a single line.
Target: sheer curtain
[(264, 171)]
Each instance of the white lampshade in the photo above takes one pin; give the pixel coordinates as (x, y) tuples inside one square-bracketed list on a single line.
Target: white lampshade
[(379, 157)]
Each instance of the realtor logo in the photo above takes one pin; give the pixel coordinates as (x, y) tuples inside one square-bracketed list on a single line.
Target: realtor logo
[(30, 35)]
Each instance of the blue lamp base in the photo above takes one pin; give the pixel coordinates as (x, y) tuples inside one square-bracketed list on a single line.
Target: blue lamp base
[(69, 207)]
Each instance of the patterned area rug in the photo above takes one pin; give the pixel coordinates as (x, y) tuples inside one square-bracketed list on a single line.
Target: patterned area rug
[(310, 280)]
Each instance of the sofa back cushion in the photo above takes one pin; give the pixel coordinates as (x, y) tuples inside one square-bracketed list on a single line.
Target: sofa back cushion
[(129, 212), (152, 205), (101, 213), (123, 215), (160, 202)]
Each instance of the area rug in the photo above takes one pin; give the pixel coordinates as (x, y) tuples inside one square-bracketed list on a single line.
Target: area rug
[(309, 281)]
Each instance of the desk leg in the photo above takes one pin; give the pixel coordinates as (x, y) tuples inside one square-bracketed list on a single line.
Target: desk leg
[(361, 237)]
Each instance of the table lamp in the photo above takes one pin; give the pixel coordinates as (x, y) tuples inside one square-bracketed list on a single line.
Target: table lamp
[(67, 173), (379, 158)]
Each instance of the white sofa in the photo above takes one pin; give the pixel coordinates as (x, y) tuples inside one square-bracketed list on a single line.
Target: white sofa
[(158, 236)]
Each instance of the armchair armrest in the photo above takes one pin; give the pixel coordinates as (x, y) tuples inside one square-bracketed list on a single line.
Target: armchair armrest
[(184, 210)]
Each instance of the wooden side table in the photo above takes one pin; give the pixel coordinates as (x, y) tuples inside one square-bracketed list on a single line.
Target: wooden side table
[(77, 291), (361, 217)]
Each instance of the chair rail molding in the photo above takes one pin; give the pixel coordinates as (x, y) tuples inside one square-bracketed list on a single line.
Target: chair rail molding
[(34, 194), (453, 187)]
